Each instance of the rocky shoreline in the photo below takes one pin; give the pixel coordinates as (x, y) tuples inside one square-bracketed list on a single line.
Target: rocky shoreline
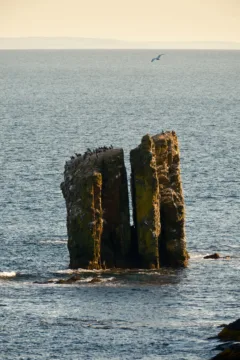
[(230, 335)]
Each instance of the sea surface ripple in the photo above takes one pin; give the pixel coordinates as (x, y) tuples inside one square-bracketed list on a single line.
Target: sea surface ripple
[(56, 103)]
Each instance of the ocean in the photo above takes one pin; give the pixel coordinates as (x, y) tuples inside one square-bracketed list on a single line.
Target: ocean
[(56, 103)]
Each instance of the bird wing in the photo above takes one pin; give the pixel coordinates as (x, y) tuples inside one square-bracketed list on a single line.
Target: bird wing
[(153, 59)]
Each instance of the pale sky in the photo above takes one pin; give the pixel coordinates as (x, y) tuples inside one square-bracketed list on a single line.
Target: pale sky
[(131, 20)]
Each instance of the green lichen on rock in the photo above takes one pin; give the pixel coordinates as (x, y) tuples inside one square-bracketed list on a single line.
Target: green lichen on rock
[(98, 222), (145, 195), (158, 203), (172, 243)]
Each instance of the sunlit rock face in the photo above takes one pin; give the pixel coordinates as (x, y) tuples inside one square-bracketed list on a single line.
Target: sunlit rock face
[(95, 189), (145, 200), (172, 244), (96, 194), (158, 203)]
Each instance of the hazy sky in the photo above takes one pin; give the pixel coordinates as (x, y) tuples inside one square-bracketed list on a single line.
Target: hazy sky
[(138, 20)]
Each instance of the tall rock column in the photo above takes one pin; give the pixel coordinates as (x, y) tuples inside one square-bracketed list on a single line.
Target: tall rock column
[(96, 194), (145, 196), (158, 203), (172, 244), (82, 191)]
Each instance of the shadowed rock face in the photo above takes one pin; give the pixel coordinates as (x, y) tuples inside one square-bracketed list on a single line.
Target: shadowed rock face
[(116, 237), (231, 331), (231, 351), (158, 204), (96, 194)]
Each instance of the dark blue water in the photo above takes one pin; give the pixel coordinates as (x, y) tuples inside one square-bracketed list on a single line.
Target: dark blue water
[(55, 103)]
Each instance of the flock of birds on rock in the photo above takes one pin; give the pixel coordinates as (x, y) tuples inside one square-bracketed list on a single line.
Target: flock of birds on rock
[(90, 152), (100, 149)]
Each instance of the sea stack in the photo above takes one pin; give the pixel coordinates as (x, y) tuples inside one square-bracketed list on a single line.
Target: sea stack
[(96, 194), (95, 189), (158, 203)]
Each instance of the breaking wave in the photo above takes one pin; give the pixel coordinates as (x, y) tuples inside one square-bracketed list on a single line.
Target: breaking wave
[(7, 274), (77, 271)]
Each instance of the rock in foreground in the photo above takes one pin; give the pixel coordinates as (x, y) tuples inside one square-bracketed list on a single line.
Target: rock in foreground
[(230, 353), (231, 331)]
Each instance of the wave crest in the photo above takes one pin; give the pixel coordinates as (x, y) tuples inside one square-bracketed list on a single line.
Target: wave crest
[(7, 274)]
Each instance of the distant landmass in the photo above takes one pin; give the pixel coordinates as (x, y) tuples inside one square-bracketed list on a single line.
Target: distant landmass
[(90, 43)]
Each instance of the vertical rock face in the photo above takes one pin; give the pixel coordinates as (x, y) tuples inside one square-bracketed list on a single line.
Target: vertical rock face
[(145, 197), (96, 194), (172, 246), (116, 238), (158, 204)]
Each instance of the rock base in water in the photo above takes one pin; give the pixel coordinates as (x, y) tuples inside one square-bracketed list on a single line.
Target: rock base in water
[(230, 353), (95, 189), (212, 256), (230, 332), (96, 194)]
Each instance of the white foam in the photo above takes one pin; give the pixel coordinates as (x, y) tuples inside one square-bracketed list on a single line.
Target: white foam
[(87, 280), (151, 273), (194, 256), (66, 271), (53, 242), (7, 274), (77, 271), (108, 279)]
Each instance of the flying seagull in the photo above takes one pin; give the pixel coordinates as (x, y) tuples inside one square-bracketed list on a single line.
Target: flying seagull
[(157, 58)]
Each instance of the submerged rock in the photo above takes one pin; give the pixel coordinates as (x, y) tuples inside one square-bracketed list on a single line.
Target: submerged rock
[(70, 280), (212, 256), (95, 280), (217, 256)]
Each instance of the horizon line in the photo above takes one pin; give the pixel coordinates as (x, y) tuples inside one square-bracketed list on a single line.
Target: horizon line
[(120, 40), (81, 43)]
